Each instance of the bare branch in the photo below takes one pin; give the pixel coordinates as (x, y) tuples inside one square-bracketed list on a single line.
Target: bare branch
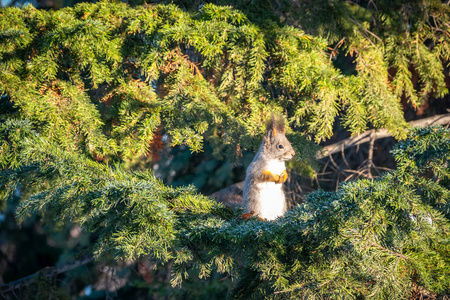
[(378, 134), (47, 272)]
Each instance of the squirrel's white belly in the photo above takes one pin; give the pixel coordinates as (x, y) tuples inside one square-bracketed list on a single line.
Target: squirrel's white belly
[(271, 200)]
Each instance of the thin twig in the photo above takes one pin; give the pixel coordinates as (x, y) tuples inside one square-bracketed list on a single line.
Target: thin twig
[(343, 156)]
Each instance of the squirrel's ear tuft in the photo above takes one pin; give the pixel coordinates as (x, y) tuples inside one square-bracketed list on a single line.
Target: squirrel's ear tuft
[(276, 124)]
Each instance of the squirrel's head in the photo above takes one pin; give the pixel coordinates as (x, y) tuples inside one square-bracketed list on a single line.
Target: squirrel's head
[(276, 145)]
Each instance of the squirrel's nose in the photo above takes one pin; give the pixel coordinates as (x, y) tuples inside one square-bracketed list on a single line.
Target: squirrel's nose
[(293, 153)]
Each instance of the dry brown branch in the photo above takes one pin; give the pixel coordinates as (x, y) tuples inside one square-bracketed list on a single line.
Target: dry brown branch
[(47, 272), (378, 134)]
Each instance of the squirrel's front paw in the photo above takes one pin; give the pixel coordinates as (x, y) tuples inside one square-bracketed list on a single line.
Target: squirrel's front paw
[(282, 177), (249, 215)]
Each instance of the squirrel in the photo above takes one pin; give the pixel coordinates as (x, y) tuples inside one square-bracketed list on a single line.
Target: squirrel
[(263, 190)]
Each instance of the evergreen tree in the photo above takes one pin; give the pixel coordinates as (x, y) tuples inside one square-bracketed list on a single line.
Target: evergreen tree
[(371, 238), (89, 90)]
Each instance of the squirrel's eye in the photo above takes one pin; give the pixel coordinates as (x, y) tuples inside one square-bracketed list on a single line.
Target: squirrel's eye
[(280, 146)]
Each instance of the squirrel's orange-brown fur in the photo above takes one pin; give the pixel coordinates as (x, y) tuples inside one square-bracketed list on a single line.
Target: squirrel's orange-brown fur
[(266, 175)]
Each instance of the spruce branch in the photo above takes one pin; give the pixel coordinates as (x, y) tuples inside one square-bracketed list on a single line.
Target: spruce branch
[(96, 86)]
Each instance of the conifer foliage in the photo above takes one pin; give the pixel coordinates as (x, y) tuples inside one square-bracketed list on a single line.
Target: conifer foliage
[(374, 239), (111, 75), (86, 89)]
